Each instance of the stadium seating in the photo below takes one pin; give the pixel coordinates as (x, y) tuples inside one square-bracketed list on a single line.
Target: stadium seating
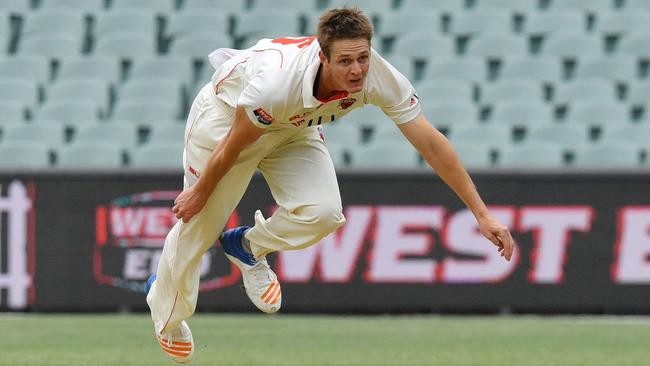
[(532, 155), (379, 155), (90, 155), (610, 154), (23, 155), (499, 77)]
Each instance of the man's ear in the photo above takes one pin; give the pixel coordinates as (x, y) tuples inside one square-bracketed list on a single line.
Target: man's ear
[(321, 55)]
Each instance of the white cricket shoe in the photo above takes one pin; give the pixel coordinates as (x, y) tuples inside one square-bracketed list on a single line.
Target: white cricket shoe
[(178, 343), (260, 282)]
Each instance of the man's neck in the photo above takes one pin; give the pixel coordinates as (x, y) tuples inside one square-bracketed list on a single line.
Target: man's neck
[(322, 89)]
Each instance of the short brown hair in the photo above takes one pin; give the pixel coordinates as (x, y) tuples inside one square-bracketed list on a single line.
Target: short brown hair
[(342, 23)]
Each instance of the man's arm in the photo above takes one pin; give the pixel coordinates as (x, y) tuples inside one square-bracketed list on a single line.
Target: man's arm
[(242, 133), (438, 152)]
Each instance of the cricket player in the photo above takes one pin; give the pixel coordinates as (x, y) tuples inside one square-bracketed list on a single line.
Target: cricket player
[(262, 110)]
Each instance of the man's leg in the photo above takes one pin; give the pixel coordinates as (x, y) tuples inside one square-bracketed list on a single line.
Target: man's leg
[(173, 296), (301, 176), (303, 183)]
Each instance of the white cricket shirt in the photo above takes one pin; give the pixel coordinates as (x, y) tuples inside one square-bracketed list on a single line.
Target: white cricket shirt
[(274, 82)]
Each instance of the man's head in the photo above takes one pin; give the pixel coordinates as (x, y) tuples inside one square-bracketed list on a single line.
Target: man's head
[(344, 36)]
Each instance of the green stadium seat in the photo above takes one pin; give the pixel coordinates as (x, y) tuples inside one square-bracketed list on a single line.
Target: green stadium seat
[(474, 155), (481, 21), (87, 6), (571, 46), (583, 89), (26, 66), (532, 155), (447, 114), (105, 68), (193, 21), (302, 6), (50, 135), (169, 134), (22, 90), (266, 24), (343, 132), (23, 155), (514, 6), (638, 93), (95, 89), (570, 137), (396, 24), (145, 112), (608, 155), (637, 4), (16, 7), (11, 111), (159, 6), (492, 135), (544, 69), (423, 46), (633, 135), (468, 68), (522, 113), (497, 46), (158, 156), (440, 89), (621, 68), (541, 24), (123, 135), (140, 21), (598, 112), (127, 46), (174, 67), (590, 6), (6, 32), (71, 112), (199, 45), (378, 155), (228, 6), (635, 44), (51, 45), (511, 89), (157, 90), (619, 23), (386, 134), (90, 155), (442, 6), (55, 20)]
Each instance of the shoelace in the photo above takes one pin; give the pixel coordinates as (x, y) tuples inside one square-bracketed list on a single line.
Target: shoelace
[(260, 272)]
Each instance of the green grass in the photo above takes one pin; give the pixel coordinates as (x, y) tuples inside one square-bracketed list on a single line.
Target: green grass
[(287, 340)]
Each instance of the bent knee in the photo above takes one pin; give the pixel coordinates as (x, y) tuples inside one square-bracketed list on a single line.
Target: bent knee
[(325, 217)]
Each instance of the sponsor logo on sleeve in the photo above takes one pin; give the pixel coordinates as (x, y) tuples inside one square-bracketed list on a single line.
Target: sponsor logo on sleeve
[(414, 99), (263, 116)]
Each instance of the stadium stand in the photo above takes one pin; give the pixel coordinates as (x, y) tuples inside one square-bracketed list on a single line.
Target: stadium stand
[(499, 77)]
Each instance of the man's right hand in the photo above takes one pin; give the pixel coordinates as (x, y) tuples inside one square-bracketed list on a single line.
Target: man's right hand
[(189, 203)]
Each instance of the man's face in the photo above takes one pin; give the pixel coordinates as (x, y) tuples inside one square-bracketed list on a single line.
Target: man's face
[(348, 64)]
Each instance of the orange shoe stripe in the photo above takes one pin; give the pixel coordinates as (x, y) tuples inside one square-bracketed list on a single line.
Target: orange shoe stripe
[(269, 289), (180, 349), (173, 353), (273, 293), (276, 297), (175, 343)]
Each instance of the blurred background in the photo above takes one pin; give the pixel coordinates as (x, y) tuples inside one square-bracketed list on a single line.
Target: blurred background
[(546, 102)]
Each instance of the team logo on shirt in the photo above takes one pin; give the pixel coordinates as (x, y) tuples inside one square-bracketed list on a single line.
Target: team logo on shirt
[(263, 116), (346, 103)]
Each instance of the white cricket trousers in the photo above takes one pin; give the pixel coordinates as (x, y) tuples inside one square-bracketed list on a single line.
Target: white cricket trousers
[(298, 169)]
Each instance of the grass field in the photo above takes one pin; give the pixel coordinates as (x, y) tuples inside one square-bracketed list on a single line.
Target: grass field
[(287, 340)]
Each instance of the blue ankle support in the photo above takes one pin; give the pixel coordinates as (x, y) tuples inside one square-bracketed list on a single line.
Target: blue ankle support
[(231, 241)]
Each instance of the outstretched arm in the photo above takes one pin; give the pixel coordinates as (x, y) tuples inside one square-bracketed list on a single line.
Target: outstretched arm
[(241, 134), (438, 152)]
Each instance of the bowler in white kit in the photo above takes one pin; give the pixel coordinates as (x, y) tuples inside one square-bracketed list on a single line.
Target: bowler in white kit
[(262, 110)]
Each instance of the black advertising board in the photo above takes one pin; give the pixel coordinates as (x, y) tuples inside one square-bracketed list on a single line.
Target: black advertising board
[(89, 241)]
